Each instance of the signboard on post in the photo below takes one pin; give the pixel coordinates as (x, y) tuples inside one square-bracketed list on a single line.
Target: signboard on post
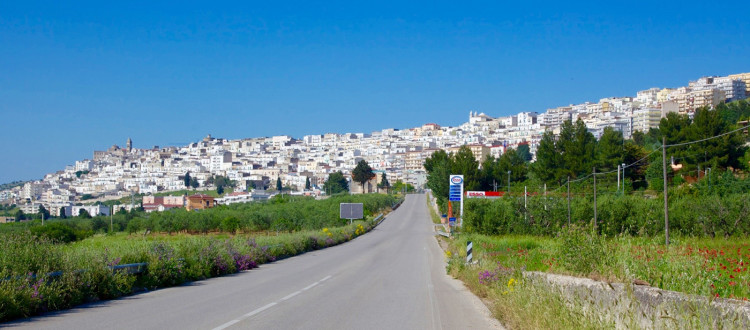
[(456, 191), (351, 211)]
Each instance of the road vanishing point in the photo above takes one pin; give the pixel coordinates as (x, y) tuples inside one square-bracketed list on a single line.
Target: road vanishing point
[(391, 278)]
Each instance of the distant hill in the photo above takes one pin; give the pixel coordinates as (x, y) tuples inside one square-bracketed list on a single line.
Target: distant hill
[(11, 185)]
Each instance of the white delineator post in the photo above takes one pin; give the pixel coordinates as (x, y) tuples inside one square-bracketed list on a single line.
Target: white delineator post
[(468, 252)]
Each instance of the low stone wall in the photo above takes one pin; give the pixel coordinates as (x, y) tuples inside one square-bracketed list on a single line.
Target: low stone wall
[(637, 306)]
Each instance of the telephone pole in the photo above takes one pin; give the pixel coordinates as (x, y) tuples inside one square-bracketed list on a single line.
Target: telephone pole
[(666, 203)]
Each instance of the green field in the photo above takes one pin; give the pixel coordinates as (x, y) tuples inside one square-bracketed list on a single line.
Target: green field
[(40, 272), (712, 267)]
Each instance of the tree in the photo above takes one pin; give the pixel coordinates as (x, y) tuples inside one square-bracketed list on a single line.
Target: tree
[(547, 159), (724, 151), (362, 173), (637, 171), (400, 185), (43, 212), (20, 216), (219, 190), (524, 151), (512, 161), (336, 183), (609, 150), (83, 214), (187, 179), (194, 183), (384, 182), (438, 173), (62, 212), (307, 183), (278, 184), (463, 162)]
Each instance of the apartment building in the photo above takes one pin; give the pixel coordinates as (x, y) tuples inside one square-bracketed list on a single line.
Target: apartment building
[(646, 119)]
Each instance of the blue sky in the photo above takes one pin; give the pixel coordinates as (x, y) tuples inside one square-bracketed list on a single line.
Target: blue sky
[(75, 78)]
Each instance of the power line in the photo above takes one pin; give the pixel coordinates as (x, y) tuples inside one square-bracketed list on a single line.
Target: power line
[(706, 139)]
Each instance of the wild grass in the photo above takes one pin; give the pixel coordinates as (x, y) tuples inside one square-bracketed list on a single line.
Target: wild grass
[(39, 275), (434, 216), (712, 267)]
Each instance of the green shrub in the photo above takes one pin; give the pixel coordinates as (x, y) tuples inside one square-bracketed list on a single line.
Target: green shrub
[(581, 250), (57, 232)]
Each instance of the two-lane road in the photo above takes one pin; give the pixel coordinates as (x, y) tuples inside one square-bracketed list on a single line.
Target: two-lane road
[(391, 278)]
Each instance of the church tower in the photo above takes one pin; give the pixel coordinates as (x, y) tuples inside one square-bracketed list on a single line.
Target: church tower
[(130, 145)]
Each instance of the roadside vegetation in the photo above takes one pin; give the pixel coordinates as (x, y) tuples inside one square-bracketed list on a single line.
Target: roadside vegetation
[(73, 261), (576, 211), (714, 268)]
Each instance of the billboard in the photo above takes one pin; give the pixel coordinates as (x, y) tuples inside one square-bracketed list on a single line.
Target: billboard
[(351, 211)]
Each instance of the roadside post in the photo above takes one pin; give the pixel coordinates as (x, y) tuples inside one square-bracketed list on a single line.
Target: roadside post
[(351, 211), (469, 251)]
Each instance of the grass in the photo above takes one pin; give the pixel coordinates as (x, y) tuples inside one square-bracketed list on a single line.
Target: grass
[(26, 290), (703, 266), (435, 217), (520, 304)]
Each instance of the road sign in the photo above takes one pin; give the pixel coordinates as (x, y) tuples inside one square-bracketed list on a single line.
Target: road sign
[(456, 190), (351, 211), (452, 222)]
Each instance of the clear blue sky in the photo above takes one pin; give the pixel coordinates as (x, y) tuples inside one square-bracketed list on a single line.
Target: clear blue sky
[(82, 77)]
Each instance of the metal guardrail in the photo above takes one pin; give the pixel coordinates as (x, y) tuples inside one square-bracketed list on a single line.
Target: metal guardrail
[(378, 219)]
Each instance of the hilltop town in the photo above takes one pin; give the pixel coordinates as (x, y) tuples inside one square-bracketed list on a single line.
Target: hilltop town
[(399, 153)]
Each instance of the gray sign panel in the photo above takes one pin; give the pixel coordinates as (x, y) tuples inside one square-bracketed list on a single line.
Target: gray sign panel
[(351, 211)]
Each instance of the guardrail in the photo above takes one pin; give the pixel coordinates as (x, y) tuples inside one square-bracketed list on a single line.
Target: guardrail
[(378, 219)]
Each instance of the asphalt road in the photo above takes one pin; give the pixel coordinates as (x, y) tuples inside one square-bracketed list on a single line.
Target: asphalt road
[(391, 278)]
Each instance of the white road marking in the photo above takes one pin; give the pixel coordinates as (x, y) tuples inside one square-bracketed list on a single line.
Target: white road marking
[(291, 295), (227, 325), (310, 286), (257, 311)]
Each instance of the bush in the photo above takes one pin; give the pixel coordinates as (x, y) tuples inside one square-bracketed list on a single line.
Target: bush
[(56, 232), (582, 250)]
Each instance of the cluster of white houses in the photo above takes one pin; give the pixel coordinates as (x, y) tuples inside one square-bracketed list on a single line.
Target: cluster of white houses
[(399, 153)]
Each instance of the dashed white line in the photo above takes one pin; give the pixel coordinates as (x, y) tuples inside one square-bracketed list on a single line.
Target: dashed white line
[(310, 286), (291, 295), (227, 325), (257, 311)]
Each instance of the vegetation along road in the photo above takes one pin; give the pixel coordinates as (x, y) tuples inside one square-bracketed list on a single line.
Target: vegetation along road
[(392, 278)]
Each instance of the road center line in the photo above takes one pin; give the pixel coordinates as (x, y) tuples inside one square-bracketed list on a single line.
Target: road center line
[(257, 311), (291, 295), (238, 320), (310, 286)]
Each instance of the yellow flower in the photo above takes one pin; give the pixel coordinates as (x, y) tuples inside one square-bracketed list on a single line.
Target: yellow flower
[(448, 254)]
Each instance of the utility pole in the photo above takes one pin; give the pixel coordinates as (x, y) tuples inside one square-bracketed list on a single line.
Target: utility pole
[(508, 182), (595, 218), (111, 214), (618, 177), (623, 178), (568, 200), (666, 203), (545, 197)]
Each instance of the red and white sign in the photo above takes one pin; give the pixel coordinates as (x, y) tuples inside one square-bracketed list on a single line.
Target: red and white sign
[(475, 194)]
